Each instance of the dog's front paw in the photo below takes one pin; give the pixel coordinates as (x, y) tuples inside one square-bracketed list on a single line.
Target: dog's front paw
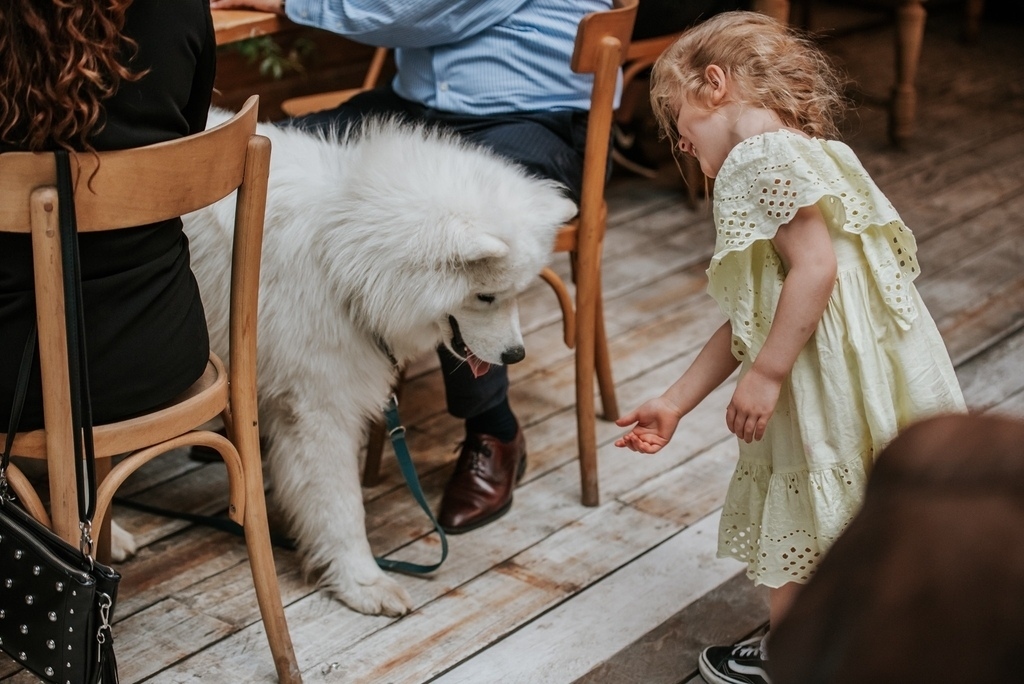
[(122, 543), (371, 592)]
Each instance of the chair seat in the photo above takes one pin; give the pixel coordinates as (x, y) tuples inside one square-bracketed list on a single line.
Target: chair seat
[(309, 104), (201, 402), (565, 239), (318, 102)]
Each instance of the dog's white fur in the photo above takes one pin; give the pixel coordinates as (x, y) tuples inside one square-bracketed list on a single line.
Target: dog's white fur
[(377, 236)]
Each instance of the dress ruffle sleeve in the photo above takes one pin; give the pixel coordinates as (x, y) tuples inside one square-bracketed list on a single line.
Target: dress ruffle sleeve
[(761, 185)]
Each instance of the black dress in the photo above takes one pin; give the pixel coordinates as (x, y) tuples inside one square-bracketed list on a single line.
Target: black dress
[(146, 333)]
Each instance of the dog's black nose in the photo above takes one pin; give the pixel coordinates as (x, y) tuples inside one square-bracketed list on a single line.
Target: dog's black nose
[(513, 355)]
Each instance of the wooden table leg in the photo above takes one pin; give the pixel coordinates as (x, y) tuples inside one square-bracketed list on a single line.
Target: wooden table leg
[(776, 9), (972, 19), (910, 19)]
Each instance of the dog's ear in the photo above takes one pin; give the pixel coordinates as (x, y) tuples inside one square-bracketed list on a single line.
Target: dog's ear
[(484, 246)]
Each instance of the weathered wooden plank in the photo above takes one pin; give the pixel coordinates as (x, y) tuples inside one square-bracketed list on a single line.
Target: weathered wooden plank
[(173, 630), (974, 278), (201, 490), (1012, 406), (410, 649), (7, 666), (645, 593), (668, 653), (994, 376), (974, 330)]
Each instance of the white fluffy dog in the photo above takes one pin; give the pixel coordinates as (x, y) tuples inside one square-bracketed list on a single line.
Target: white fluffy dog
[(388, 240)]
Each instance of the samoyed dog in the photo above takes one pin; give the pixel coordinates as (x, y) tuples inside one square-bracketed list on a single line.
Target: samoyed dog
[(381, 242)]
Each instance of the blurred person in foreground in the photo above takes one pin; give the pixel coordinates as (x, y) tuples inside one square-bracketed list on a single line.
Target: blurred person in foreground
[(926, 585)]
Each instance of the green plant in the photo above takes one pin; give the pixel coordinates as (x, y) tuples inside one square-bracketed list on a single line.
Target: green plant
[(273, 60)]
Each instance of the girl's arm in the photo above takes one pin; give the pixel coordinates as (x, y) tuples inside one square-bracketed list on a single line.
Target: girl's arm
[(806, 251), (656, 419)]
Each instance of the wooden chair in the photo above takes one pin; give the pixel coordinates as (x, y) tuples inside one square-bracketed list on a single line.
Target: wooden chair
[(136, 187), (602, 42), (307, 104)]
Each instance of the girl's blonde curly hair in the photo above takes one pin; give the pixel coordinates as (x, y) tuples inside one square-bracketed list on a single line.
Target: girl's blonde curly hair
[(772, 66)]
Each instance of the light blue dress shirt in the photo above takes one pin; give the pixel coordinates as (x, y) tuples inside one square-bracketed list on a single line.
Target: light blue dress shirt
[(477, 57)]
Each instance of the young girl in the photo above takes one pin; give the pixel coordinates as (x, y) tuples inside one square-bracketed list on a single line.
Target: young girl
[(814, 270)]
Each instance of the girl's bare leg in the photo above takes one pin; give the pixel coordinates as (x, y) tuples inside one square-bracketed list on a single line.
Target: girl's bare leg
[(780, 599)]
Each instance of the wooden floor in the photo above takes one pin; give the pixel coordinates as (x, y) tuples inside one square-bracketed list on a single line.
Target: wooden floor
[(628, 591)]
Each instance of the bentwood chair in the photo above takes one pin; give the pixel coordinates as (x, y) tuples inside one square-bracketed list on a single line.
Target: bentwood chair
[(136, 187), (602, 41)]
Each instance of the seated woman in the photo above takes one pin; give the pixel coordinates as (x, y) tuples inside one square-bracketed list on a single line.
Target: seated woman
[(106, 75)]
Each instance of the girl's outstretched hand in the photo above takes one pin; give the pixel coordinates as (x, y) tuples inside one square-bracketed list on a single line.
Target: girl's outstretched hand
[(752, 405), (656, 422)]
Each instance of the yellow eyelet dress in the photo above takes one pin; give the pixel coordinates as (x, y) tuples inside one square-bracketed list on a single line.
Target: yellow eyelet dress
[(875, 364)]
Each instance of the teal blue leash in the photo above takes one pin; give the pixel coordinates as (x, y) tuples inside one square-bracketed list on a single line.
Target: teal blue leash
[(396, 432)]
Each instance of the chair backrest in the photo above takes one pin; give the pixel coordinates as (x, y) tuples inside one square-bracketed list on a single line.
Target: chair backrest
[(133, 187), (601, 43), (119, 189)]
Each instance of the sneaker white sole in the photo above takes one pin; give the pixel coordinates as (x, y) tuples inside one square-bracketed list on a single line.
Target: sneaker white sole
[(712, 676)]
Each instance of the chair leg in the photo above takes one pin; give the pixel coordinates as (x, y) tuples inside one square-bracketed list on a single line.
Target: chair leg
[(268, 591), (374, 452), (376, 438), (587, 297), (261, 558), (776, 9), (586, 428), (603, 361), (910, 19), (973, 13), (103, 536)]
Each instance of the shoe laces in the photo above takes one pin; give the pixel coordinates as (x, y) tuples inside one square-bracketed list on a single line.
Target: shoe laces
[(478, 452), (749, 648)]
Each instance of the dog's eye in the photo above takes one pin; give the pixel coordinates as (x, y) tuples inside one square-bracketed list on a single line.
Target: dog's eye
[(486, 298)]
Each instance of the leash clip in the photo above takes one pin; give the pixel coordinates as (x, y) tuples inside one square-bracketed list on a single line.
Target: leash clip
[(391, 414)]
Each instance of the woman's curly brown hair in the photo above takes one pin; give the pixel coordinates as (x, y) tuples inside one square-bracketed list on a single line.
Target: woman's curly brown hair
[(61, 59), (773, 67)]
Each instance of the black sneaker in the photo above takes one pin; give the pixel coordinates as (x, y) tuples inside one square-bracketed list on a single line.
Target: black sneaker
[(738, 664), (627, 153)]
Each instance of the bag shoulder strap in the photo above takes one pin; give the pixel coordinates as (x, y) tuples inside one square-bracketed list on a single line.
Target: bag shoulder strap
[(78, 373)]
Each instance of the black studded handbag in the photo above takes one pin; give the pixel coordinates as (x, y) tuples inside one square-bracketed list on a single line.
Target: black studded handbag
[(56, 600)]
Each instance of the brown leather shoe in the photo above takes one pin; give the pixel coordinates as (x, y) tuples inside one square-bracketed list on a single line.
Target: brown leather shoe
[(480, 489)]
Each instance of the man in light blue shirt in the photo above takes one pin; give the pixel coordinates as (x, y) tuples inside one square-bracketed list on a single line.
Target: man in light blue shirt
[(497, 72)]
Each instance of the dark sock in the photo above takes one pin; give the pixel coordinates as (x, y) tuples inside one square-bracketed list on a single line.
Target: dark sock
[(498, 421)]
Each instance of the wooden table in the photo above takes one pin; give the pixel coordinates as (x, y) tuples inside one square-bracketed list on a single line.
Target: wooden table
[(235, 25)]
